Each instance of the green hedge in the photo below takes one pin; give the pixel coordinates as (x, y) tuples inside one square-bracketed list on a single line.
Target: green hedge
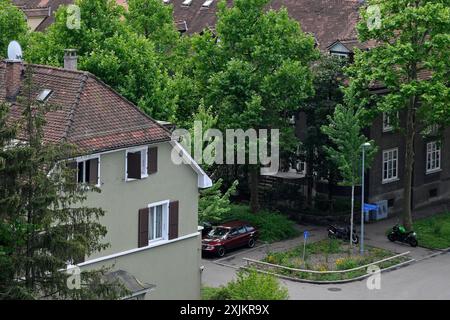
[(273, 226)]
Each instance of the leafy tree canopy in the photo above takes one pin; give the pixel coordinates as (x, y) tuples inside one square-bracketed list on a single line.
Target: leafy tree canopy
[(13, 25)]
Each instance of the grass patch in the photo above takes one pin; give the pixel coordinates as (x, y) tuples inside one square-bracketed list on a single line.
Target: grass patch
[(434, 232), (327, 255), (273, 226)]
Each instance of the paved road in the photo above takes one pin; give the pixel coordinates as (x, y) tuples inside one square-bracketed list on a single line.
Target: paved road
[(428, 279)]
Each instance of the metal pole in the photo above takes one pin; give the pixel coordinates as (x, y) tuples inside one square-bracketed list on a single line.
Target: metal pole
[(362, 203)]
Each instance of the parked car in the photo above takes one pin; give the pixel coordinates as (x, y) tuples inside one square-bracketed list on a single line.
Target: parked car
[(228, 236)]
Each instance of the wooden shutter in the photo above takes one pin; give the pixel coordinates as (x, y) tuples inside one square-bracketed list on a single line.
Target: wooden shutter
[(152, 160), (134, 165), (173, 219), (93, 171), (143, 227)]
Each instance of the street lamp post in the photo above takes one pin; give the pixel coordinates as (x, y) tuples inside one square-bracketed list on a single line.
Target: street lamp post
[(364, 146)]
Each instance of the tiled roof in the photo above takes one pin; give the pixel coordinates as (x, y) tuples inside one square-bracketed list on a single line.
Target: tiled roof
[(90, 114), (327, 20), (50, 6)]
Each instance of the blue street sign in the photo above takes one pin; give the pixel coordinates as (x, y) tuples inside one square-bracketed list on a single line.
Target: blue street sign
[(306, 235), (369, 207)]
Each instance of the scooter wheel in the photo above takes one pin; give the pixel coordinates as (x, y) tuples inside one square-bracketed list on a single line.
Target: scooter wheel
[(355, 239), (391, 237), (413, 242)]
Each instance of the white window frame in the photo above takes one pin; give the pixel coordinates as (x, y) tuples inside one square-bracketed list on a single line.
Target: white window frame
[(385, 153), (83, 159), (165, 220), (433, 147), (340, 55), (144, 162)]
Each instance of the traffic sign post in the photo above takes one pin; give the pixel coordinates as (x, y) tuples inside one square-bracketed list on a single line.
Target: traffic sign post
[(305, 238)]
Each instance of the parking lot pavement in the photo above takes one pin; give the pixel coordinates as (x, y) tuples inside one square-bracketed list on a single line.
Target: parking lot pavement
[(235, 258), (220, 271), (376, 236)]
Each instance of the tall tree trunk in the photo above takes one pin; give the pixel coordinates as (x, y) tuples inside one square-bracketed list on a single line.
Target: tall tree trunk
[(409, 164), (254, 199), (351, 215)]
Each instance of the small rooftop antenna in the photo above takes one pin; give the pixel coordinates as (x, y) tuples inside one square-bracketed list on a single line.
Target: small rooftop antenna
[(14, 51)]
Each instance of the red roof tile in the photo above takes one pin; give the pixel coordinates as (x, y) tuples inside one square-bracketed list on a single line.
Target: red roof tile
[(90, 114)]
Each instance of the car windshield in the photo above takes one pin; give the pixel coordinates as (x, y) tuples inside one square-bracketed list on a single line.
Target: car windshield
[(218, 232)]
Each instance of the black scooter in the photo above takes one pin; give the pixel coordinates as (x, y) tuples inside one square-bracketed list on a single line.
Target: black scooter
[(342, 233), (400, 234)]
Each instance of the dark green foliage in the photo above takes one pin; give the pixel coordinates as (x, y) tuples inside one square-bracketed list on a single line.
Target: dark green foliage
[(273, 226), (13, 25)]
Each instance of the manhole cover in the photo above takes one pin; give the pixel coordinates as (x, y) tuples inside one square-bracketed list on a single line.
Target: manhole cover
[(334, 289)]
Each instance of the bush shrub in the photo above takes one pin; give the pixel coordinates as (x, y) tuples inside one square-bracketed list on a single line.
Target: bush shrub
[(273, 226), (249, 285)]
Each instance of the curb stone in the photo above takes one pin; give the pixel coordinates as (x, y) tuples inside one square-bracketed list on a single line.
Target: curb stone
[(388, 269)]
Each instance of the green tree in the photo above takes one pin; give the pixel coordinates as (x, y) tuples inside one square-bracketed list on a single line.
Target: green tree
[(154, 20), (112, 50), (328, 79), (262, 73), (214, 204), (411, 61), (43, 222), (13, 25), (344, 130)]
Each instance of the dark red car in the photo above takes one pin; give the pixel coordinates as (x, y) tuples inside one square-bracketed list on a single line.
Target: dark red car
[(228, 236)]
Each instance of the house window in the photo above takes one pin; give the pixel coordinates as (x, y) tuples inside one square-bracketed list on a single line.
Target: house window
[(88, 171), (136, 164), (390, 165), (157, 222), (388, 124), (433, 157), (340, 55)]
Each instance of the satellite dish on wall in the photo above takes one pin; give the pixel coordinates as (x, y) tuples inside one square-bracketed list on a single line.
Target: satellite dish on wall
[(14, 51)]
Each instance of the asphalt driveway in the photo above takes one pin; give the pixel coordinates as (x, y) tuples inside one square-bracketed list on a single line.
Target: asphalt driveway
[(220, 271)]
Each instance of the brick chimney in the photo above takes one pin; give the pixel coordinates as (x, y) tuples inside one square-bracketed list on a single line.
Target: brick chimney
[(70, 59), (14, 73)]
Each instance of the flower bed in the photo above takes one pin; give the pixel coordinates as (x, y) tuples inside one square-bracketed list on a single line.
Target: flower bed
[(327, 255)]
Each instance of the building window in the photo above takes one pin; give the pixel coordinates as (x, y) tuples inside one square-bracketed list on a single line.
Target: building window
[(136, 164), (390, 165), (433, 157), (340, 55), (157, 222), (388, 124), (88, 171)]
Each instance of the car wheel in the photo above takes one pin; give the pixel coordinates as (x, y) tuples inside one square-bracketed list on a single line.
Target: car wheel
[(251, 243), (221, 251)]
